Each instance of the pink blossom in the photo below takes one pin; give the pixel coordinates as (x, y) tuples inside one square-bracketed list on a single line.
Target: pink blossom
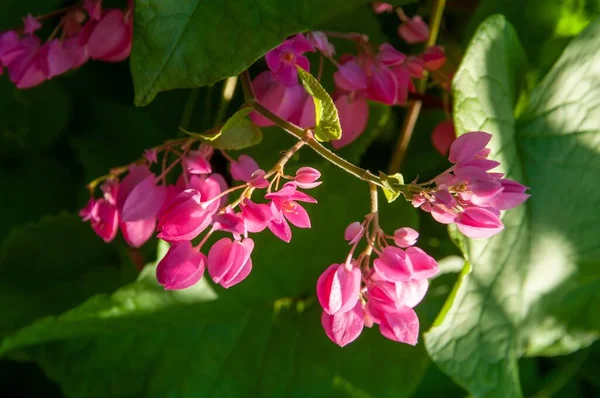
[(344, 327), (380, 7), (467, 146), (350, 76), (388, 55), (229, 261), (512, 195), (229, 221), (139, 197), (401, 326), (181, 267), (443, 136), (210, 186), (184, 219), (393, 265), (243, 168), (354, 232), (392, 296), (9, 43), (434, 58), (282, 100), (306, 178), (404, 84), (320, 42), (383, 85), (110, 40), (483, 192), (422, 265), (478, 223), (256, 216), (283, 59), (31, 24), (284, 206), (24, 63), (136, 233), (196, 162), (405, 237), (151, 155), (105, 220), (413, 30), (415, 67), (338, 288), (354, 116), (258, 180)]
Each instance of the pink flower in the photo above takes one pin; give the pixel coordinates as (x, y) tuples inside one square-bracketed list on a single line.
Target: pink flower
[(434, 58), (196, 162), (354, 232), (110, 40), (388, 55), (350, 76), (181, 267), (380, 7), (401, 326), (478, 223), (230, 222), (229, 261), (256, 216), (383, 86), (413, 30), (344, 327), (422, 265), (512, 195), (405, 237), (9, 43), (443, 136), (136, 233), (151, 155), (306, 178), (105, 220), (257, 179), (393, 265), (283, 59), (138, 197), (31, 24), (387, 296), (320, 42), (467, 146), (284, 206), (184, 218), (354, 116), (58, 57), (338, 288), (282, 100), (243, 168), (209, 186), (24, 63)]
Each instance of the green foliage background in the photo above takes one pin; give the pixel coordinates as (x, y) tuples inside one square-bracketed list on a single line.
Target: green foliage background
[(79, 319)]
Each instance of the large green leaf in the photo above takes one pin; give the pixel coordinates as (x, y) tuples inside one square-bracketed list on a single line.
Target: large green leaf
[(51, 266), (529, 290), (185, 44)]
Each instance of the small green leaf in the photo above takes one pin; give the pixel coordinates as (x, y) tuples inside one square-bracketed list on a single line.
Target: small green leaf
[(327, 121), (238, 132), (205, 137), (390, 191)]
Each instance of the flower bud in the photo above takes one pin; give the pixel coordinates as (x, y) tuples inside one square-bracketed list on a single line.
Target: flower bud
[(338, 288), (184, 219), (229, 261), (344, 327), (181, 267)]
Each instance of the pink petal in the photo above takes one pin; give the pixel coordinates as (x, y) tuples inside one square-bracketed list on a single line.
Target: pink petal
[(388, 55), (443, 136), (256, 216), (350, 76), (110, 37), (243, 168), (478, 223), (423, 265), (229, 262), (136, 233), (185, 218), (401, 326), (106, 221), (343, 328), (405, 237), (393, 265), (144, 201), (383, 86), (306, 177), (31, 24), (295, 214), (181, 267), (354, 232), (338, 288), (468, 145), (320, 42), (434, 58), (354, 115), (279, 227), (414, 30)]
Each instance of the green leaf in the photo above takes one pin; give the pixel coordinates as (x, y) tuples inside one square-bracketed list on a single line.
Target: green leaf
[(390, 191), (327, 121), (194, 43), (530, 289), (238, 132), (51, 266)]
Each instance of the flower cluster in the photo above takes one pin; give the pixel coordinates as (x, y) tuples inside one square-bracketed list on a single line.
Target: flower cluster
[(382, 75), (468, 193), (86, 32), (143, 203), (359, 293)]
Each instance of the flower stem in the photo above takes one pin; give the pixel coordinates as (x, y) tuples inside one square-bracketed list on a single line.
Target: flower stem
[(415, 107)]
